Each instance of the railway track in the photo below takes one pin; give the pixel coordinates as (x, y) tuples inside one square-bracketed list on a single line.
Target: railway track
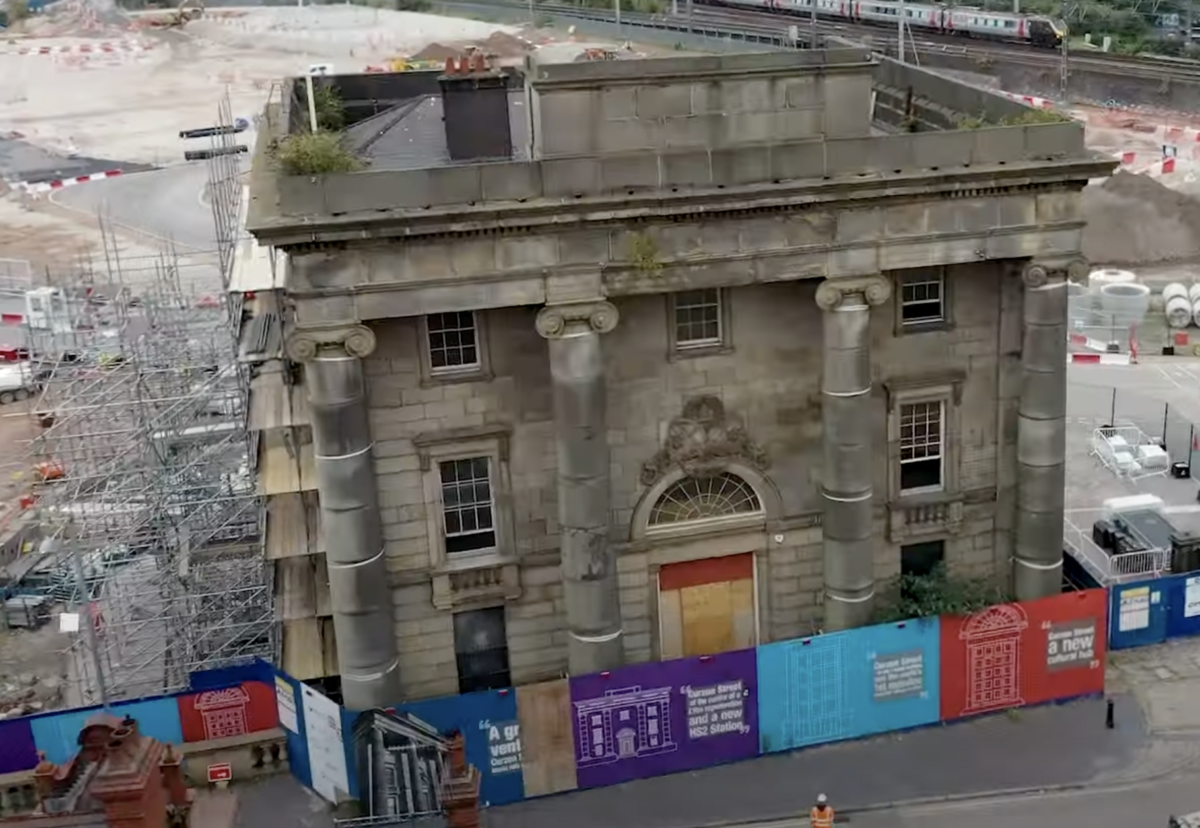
[(763, 28)]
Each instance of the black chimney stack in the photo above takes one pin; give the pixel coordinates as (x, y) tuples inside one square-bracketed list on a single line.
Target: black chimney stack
[(475, 110)]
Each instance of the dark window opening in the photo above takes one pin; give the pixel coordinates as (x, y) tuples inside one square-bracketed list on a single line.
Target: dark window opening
[(481, 650), (919, 560)]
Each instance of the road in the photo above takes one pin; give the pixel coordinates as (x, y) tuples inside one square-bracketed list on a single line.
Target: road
[(166, 203), (1146, 806)]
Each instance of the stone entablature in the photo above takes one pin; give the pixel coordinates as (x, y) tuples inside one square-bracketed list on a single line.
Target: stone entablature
[(726, 248)]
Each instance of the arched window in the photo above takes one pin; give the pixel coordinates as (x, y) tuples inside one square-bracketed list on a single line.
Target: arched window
[(695, 499)]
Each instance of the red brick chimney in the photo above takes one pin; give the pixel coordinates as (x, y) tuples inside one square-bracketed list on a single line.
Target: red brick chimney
[(129, 782), (460, 789)]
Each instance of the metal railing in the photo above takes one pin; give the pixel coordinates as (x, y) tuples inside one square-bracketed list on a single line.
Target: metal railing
[(1113, 569)]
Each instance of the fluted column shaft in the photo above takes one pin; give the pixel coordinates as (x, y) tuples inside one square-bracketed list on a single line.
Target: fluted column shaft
[(849, 460), (363, 615), (589, 568), (1041, 429)]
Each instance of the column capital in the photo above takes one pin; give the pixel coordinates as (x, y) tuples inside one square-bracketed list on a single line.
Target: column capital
[(1039, 272), (875, 290), (558, 321), (356, 340)]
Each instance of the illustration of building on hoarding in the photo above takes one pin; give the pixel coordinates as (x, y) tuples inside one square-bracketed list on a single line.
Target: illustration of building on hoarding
[(630, 723), (401, 762)]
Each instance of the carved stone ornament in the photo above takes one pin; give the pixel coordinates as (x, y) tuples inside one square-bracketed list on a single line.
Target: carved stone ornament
[(1038, 273), (701, 441), (576, 318), (357, 341), (875, 290)]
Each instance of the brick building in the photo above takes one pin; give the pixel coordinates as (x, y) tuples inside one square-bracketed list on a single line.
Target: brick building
[(616, 361)]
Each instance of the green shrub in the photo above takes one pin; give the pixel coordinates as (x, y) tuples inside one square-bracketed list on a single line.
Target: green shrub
[(938, 593), (315, 153)]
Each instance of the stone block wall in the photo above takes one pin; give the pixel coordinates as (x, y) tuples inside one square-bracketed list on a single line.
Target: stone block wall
[(768, 380)]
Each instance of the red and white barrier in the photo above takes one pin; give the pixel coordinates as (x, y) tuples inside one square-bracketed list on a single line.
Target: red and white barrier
[(12, 319), (60, 183), (1099, 359), (105, 48), (1030, 100)]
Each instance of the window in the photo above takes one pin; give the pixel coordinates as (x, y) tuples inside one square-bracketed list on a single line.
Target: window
[(922, 436), (481, 650), (467, 505), (705, 498), (453, 341), (920, 559), (922, 300), (698, 320)]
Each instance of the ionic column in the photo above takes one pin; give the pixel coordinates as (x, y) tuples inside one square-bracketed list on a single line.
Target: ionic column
[(358, 580), (849, 462), (1041, 429), (589, 567)]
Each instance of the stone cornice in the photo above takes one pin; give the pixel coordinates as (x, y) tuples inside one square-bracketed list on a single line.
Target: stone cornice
[(538, 216), (622, 278)]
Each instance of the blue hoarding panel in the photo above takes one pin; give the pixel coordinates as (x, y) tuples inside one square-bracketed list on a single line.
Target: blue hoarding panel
[(57, 734), (849, 684), (1137, 614), (1184, 600), (488, 723)]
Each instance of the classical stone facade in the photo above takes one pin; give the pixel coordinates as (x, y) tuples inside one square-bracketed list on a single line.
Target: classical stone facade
[(707, 419)]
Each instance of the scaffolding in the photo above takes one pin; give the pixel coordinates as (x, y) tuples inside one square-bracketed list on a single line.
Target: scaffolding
[(141, 478)]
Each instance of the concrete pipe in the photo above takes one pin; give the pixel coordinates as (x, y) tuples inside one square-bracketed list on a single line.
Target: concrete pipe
[(1125, 303), (1194, 292), (1178, 305), (1097, 279)]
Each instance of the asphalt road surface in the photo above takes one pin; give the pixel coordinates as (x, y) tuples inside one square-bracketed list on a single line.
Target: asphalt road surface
[(167, 203), (1146, 806), (20, 161)]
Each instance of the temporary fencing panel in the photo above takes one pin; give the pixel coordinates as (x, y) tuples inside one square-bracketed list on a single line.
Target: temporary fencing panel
[(326, 744), (1183, 617), (18, 752), (492, 735), (547, 738), (1011, 655), (665, 717), (57, 734), (848, 684), (290, 713), (1137, 614)]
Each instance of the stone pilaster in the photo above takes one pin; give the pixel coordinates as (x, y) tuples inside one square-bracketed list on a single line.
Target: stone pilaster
[(363, 619), (1041, 428), (849, 460), (589, 564)]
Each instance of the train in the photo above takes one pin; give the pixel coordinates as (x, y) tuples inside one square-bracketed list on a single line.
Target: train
[(960, 21)]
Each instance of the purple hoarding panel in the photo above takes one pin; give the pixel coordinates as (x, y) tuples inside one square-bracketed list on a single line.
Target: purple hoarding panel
[(17, 750), (665, 717)]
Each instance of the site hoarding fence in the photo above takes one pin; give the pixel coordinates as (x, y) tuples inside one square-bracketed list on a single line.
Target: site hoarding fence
[(1153, 611), (225, 703), (685, 714)]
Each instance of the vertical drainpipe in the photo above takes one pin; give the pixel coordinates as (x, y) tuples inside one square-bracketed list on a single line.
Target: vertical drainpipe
[(849, 466), (1041, 430), (363, 620), (589, 567)]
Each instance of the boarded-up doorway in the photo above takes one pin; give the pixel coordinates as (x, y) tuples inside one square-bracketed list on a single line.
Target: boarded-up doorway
[(707, 606)]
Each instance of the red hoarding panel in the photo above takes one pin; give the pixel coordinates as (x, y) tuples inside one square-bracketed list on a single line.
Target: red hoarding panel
[(234, 711), (1012, 655)]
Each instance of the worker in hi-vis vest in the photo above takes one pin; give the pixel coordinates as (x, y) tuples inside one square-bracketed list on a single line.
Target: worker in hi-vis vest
[(822, 814)]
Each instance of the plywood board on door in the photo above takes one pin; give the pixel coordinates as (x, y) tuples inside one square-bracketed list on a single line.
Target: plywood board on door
[(547, 738)]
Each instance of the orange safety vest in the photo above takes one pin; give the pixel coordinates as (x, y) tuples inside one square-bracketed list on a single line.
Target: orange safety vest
[(822, 818)]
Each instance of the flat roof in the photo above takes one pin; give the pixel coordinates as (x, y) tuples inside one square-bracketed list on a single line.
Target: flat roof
[(412, 135)]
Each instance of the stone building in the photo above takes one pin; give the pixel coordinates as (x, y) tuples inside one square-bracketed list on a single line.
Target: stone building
[(603, 362)]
